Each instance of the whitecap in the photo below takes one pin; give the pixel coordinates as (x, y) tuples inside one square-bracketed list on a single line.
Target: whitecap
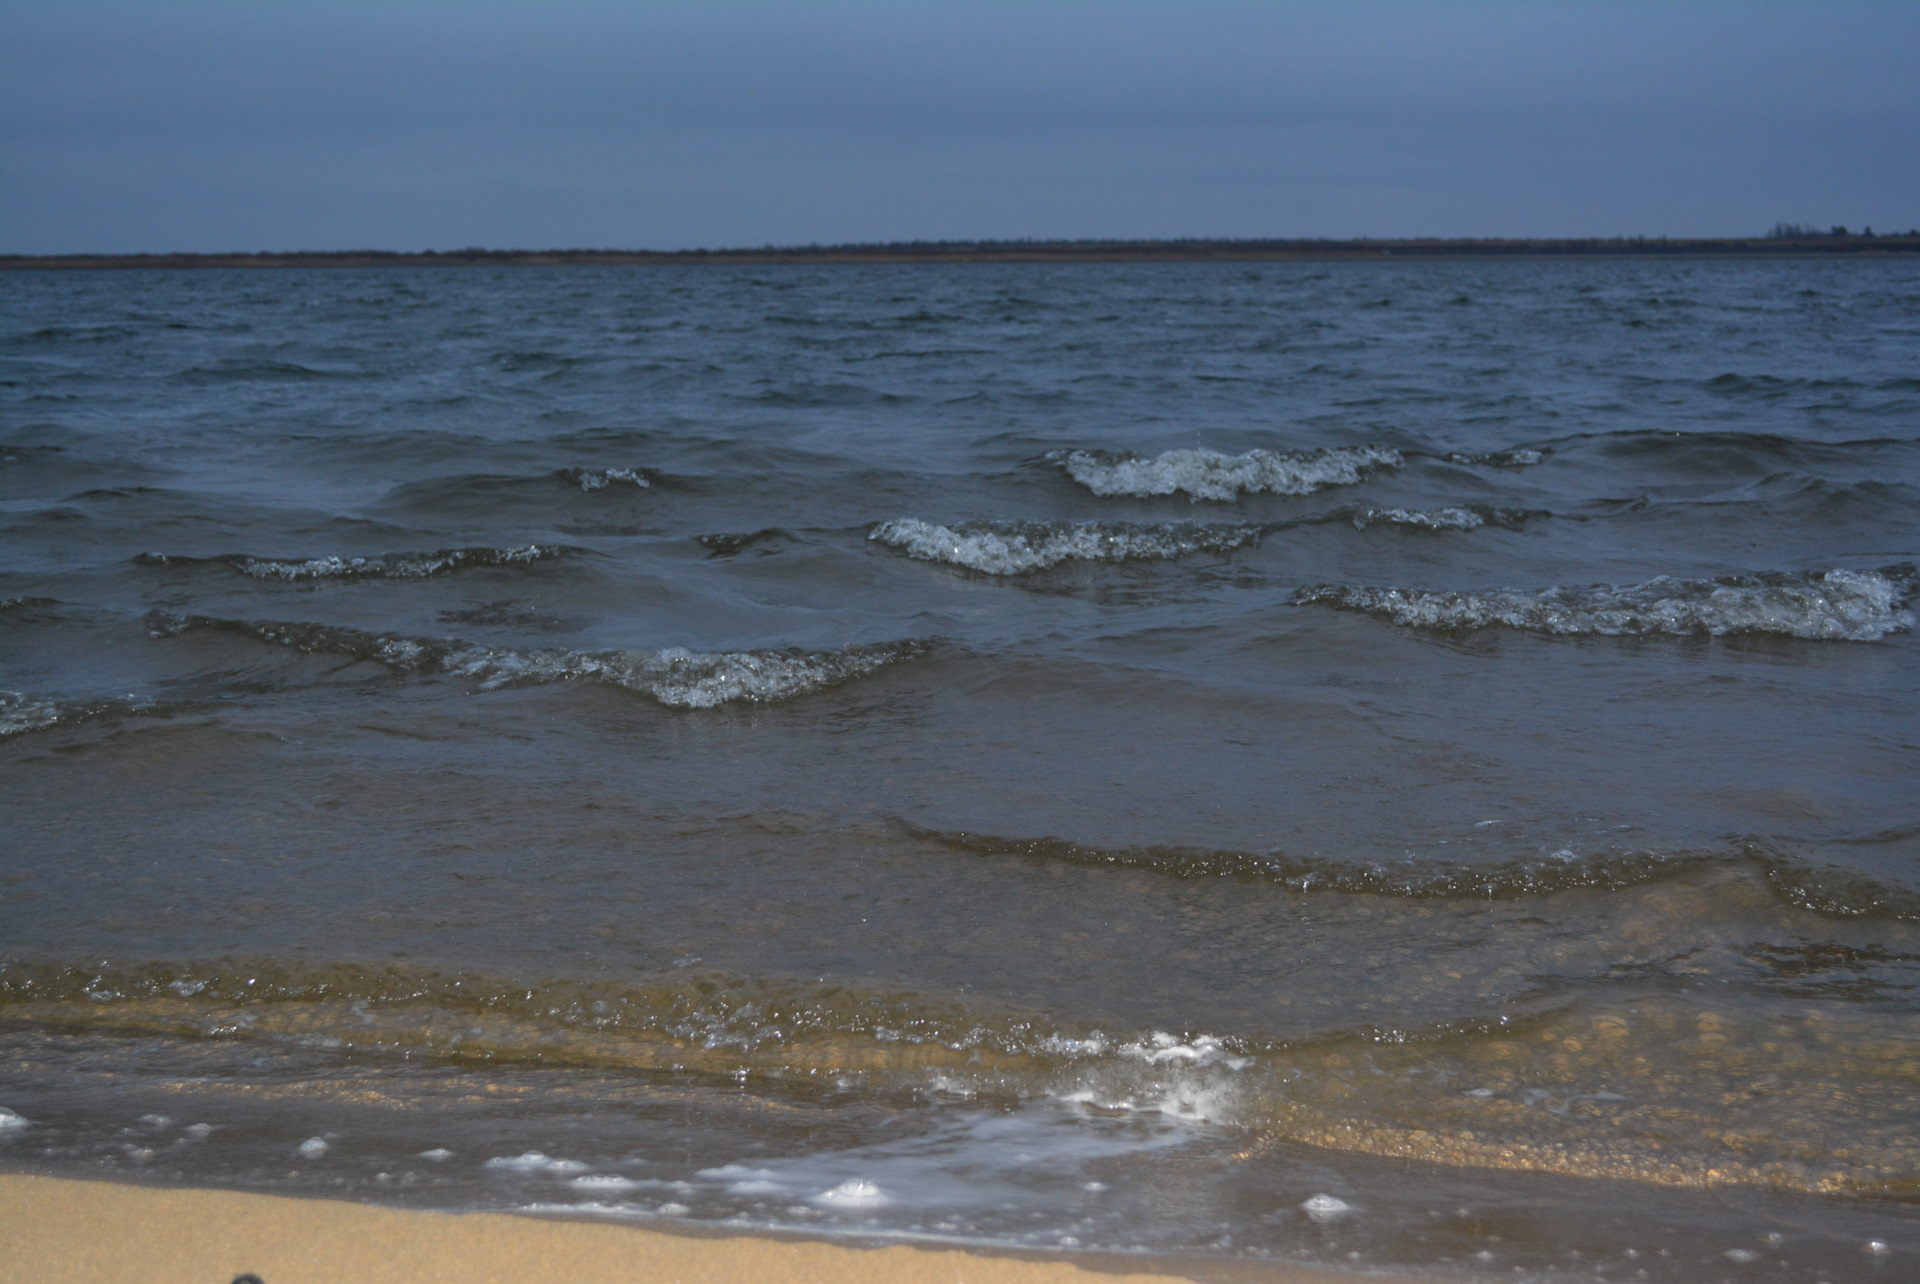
[(10, 1121), (676, 676), (1855, 606), (1432, 519), (592, 479), (400, 566), (313, 1148), (688, 679), (1017, 548), (1209, 474), (1519, 457)]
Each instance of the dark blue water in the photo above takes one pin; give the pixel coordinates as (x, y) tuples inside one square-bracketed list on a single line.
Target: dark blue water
[(1373, 764)]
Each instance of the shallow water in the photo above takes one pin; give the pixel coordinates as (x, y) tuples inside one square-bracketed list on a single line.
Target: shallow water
[(1371, 764)]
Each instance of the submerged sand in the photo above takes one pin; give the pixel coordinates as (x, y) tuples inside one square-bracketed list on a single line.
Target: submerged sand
[(54, 1231)]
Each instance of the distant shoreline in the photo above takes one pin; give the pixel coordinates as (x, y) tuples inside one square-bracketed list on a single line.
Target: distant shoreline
[(1090, 251)]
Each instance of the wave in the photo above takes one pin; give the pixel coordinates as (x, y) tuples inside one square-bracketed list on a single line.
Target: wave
[(687, 679), (1853, 606), (1719, 454), (398, 566), (1606, 1086), (20, 713), (592, 479), (1208, 474), (1519, 457), (249, 370), (1821, 890), (731, 545), (1018, 548), (1463, 517)]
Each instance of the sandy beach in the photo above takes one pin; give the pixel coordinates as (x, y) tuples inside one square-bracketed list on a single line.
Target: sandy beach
[(106, 1233)]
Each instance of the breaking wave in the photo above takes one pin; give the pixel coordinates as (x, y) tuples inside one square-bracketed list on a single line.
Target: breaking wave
[(1208, 474), (688, 679), (1852, 606), (397, 566), (1596, 1088), (1016, 548)]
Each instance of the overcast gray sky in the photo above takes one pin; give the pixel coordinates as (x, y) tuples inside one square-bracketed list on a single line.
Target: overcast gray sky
[(222, 126)]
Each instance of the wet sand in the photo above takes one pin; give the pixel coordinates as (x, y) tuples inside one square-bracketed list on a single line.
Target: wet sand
[(105, 1233)]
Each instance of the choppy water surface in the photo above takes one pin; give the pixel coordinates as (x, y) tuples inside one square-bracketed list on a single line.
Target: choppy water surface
[(1406, 764)]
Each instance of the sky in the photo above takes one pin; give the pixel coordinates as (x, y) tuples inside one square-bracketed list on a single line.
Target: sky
[(150, 125)]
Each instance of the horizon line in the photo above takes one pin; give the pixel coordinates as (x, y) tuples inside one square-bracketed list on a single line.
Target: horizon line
[(1785, 239)]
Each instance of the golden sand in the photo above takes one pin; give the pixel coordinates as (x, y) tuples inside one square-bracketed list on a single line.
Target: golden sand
[(86, 1232)]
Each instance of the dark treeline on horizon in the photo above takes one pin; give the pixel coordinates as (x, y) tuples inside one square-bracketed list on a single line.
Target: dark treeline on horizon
[(1785, 239)]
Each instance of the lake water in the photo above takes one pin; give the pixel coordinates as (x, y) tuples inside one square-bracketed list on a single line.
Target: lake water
[(1377, 764)]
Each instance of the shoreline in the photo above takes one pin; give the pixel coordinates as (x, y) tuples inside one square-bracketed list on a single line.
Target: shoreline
[(1090, 251), (58, 1230)]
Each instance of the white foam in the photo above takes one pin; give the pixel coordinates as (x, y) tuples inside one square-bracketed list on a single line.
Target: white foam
[(438, 1155), (592, 479), (690, 679), (1855, 606), (1092, 1045), (1017, 548), (9, 1120), (734, 1172), (535, 1162), (604, 1181), (1326, 1208), (676, 676), (313, 1148), (1432, 519), (1520, 458), (19, 713), (1160, 1048), (755, 1187), (1193, 1080), (855, 1192), (742, 1180), (1208, 474), (589, 1207), (402, 566)]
